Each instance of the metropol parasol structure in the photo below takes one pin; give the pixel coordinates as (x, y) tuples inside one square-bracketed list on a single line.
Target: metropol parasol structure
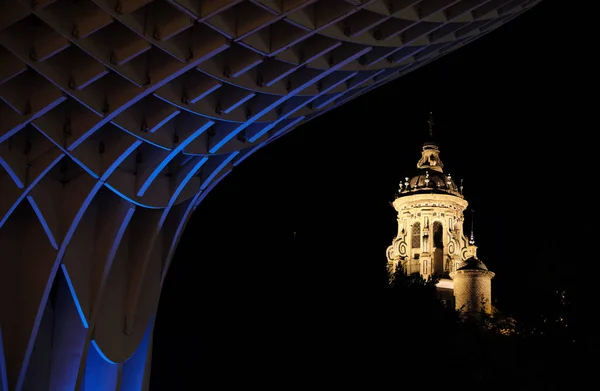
[(117, 117)]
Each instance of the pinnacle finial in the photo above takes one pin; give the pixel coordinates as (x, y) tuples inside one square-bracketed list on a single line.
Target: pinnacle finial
[(430, 123)]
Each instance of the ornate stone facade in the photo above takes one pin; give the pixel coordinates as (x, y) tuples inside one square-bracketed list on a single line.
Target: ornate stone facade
[(430, 238)]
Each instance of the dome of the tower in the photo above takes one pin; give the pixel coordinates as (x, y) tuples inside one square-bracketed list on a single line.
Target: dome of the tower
[(472, 264), (430, 177), (429, 181)]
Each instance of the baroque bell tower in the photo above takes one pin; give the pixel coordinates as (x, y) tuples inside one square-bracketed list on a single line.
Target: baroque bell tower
[(430, 239)]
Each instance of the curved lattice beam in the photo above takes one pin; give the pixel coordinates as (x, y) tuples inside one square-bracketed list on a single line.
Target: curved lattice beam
[(117, 117)]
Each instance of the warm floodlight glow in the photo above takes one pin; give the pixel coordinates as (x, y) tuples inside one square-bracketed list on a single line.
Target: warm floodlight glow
[(445, 283), (431, 207)]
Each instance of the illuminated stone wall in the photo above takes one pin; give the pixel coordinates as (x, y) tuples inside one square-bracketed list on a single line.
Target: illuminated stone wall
[(473, 291), (430, 239), (472, 288), (426, 209)]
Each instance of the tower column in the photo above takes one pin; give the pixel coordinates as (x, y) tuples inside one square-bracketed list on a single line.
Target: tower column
[(473, 291), (433, 206)]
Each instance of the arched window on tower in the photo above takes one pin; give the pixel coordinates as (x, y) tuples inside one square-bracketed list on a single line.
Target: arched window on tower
[(438, 232), (438, 245), (416, 235)]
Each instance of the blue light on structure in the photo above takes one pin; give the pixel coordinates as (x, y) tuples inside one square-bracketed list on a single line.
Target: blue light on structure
[(284, 98), (100, 373), (218, 169), (111, 168), (288, 126), (61, 251), (197, 165), (284, 116), (43, 221), (23, 194), (147, 91), (11, 173), (130, 199), (207, 190), (132, 378), (145, 140), (165, 160), (74, 295), (248, 153)]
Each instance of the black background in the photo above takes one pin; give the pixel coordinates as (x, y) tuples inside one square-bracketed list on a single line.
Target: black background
[(287, 254)]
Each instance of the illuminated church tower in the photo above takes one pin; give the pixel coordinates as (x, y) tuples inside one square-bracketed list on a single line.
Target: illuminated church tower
[(430, 238)]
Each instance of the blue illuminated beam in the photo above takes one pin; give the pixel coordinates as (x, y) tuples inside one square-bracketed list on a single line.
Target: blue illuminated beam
[(134, 369), (164, 160), (84, 321), (223, 139), (284, 116), (214, 166), (69, 337), (100, 373)]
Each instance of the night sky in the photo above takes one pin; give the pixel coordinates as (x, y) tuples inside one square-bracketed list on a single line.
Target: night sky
[(289, 249)]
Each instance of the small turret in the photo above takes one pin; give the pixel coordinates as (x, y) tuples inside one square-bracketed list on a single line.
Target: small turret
[(472, 283)]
